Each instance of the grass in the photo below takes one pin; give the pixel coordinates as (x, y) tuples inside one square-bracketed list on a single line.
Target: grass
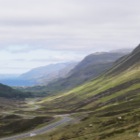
[(110, 107), (83, 96), (23, 115), (8, 124), (108, 117), (102, 124)]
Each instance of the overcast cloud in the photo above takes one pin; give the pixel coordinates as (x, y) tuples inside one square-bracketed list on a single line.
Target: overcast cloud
[(39, 32)]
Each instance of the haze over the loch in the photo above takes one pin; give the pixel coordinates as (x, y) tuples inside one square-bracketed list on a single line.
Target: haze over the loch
[(39, 32)]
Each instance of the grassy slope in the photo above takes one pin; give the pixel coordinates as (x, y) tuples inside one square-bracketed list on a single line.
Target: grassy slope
[(110, 104), (103, 122), (101, 91), (108, 97), (21, 114)]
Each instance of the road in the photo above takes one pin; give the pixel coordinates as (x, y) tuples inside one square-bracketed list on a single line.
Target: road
[(65, 119)]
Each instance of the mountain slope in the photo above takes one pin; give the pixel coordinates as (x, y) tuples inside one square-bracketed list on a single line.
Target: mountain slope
[(45, 74), (39, 76), (104, 90), (54, 74), (94, 64), (89, 68), (107, 107)]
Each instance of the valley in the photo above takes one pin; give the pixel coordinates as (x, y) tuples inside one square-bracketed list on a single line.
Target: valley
[(20, 115), (69, 70), (106, 106)]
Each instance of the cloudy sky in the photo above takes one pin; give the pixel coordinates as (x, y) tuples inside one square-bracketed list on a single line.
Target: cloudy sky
[(39, 32)]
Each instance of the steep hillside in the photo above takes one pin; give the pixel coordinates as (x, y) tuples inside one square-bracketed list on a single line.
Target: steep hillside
[(93, 65), (107, 108), (104, 90)]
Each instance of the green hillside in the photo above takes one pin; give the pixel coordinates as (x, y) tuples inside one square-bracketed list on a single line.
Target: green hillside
[(97, 93), (106, 89), (108, 107)]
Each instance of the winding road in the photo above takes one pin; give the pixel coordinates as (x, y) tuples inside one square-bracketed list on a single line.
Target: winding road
[(65, 119)]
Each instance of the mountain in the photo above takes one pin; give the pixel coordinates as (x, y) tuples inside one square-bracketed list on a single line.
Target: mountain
[(89, 68), (119, 81), (8, 92), (106, 107), (45, 74), (39, 76), (94, 64), (109, 104)]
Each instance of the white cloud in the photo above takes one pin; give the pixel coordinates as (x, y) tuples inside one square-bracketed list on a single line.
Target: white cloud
[(66, 29)]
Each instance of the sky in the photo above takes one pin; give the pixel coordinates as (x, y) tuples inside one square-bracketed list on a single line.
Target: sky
[(35, 33)]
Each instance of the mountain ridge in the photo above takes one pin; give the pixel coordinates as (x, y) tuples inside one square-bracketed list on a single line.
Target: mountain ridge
[(39, 76), (104, 90), (89, 68)]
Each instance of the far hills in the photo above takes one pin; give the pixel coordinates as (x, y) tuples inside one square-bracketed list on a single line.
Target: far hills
[(69, 73), (59, 77), (39, 76), (45, 74)]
